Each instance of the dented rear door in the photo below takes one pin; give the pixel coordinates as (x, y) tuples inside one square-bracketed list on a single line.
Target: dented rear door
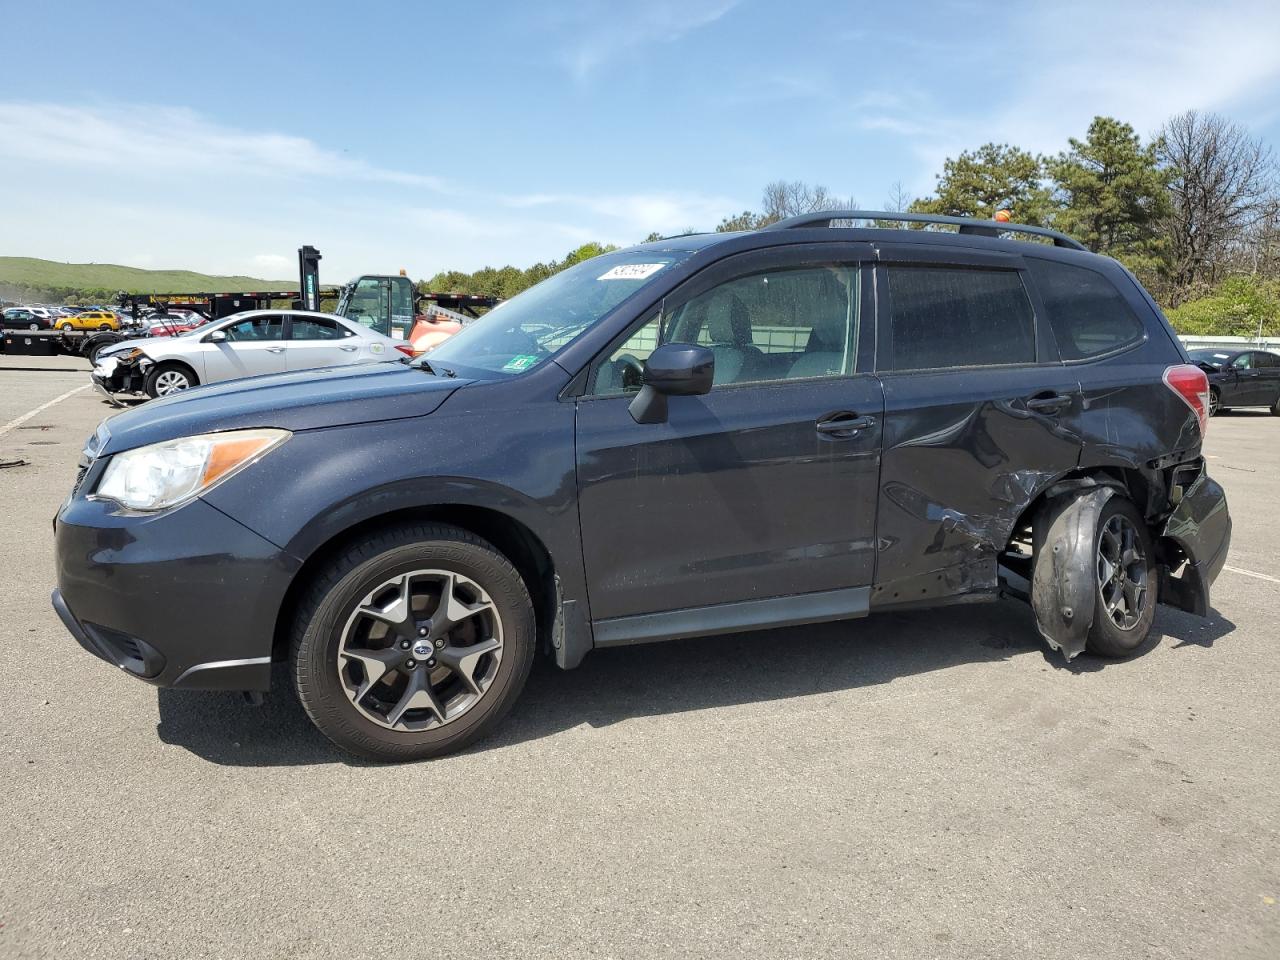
[(979, 418)]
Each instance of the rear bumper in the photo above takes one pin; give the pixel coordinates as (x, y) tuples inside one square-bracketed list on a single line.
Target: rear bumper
[(1199, 533), (184, 599)]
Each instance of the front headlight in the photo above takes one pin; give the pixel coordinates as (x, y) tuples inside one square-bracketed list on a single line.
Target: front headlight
[(164, 475)]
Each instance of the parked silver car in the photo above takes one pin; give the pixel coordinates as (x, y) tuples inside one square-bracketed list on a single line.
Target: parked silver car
[(248, 344)]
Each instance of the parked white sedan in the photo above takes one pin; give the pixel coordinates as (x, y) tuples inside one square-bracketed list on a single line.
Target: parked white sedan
[(248, 344)]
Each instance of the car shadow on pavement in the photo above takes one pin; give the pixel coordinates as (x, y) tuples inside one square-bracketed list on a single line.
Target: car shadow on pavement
[(1192, 631), (661, 678)]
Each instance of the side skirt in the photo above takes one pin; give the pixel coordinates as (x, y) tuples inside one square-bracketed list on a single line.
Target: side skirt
[(820, 607)]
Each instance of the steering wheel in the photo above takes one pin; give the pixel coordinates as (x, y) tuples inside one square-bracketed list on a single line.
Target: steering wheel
[(629, 372)]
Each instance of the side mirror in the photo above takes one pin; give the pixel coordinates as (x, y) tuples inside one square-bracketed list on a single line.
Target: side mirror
[(217, 336), (672, 370)]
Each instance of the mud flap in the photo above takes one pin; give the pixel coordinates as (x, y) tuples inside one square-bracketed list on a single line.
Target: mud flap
[(1063, 593)]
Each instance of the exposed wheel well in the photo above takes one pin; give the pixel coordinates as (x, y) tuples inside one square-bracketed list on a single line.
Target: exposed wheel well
[(1135, 486), (509, 536)]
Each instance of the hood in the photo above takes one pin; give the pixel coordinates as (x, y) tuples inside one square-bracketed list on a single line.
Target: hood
[(304, 400), (124, 346)]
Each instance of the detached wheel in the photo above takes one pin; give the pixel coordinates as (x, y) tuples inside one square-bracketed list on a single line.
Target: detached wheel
[(413, 643), (167, 378), (1126, 587)]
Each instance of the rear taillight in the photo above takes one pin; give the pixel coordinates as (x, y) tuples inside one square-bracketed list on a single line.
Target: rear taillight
[(1190, 383), (406, 349)]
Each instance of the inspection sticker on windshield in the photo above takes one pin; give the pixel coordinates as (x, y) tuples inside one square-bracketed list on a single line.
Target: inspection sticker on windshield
[(520, 362), (631, 271)]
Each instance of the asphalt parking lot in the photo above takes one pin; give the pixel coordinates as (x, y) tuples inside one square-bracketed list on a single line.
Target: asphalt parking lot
[(915, 785)]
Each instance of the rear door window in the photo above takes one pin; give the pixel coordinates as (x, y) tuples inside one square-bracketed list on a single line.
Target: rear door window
[(310, 328), (1088, 315), (959, 317)]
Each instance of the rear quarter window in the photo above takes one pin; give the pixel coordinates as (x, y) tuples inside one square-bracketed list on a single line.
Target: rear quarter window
[(959, 317), (1088, 315)]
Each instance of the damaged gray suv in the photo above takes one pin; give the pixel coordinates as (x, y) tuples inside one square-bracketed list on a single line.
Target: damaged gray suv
[(805, 423)]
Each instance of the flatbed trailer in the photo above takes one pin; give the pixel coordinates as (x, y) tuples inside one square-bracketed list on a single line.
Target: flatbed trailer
[(58, 343)]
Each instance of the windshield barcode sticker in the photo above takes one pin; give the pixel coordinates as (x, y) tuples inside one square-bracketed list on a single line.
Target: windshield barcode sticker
[(631, 271)]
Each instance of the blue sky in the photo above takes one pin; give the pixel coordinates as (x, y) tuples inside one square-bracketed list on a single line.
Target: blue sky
[(221, 136)]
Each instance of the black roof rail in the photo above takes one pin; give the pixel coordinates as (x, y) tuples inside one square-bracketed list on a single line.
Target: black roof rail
[(970, 225)]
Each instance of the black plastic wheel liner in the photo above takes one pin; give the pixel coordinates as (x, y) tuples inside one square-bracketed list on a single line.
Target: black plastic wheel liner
[(1063, 581)]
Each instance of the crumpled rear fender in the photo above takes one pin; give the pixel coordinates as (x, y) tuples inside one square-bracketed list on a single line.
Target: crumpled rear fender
[(1063, 594)]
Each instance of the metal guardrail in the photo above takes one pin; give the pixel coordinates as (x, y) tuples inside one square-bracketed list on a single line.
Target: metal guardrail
[(1198, 342)]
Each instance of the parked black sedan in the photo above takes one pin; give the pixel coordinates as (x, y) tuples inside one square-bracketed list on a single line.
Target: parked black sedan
[(19, 318), (1241, 378)]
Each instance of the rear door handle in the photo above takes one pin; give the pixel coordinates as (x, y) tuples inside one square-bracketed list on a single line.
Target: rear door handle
[(1049, 404), (349, 349), (843, 425), (275, 349)]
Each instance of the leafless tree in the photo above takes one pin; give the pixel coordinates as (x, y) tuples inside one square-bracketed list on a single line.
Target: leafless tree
[(1259, 251), (899, 200), (1221, 180), (790, 198)]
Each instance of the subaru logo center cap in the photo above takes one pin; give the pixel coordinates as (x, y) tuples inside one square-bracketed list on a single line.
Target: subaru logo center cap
[(422, 650)]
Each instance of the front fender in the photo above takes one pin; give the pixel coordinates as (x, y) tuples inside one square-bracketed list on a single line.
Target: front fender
[(322, 483)]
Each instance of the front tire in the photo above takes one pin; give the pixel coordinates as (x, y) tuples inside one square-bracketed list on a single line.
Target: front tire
[(1125, 581), (66, 328), (412, 643), (167, 378)]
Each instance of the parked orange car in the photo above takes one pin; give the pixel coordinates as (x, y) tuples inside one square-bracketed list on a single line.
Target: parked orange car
[(89, 320)]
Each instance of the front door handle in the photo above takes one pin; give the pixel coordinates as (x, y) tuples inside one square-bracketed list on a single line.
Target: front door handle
[(349, 349), (275, 349), (843, 425), (1051, 404)]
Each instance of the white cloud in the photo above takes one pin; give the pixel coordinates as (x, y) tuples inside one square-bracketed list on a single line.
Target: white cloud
[(628, 216), (1056, 66), (174, 140), (273, 264), (605, 32), (169, 189)]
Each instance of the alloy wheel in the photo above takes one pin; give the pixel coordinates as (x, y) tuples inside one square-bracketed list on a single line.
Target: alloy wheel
[(170, 381), (420, 650), (1122, 572)]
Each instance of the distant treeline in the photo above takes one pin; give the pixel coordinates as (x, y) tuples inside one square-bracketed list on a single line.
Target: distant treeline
[(1194, 212)]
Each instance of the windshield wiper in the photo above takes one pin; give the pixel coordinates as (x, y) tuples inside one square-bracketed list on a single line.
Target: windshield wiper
[(422, 364)]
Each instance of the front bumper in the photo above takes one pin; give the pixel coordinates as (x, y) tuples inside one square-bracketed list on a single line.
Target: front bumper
[(1199, 533), (187, 598), (113, 375)]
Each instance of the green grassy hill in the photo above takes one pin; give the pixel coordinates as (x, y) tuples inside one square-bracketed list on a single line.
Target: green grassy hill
[(30, 275)]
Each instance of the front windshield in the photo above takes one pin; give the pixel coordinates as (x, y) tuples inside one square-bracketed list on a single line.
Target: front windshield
[(1215, 358), (518, 335)]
